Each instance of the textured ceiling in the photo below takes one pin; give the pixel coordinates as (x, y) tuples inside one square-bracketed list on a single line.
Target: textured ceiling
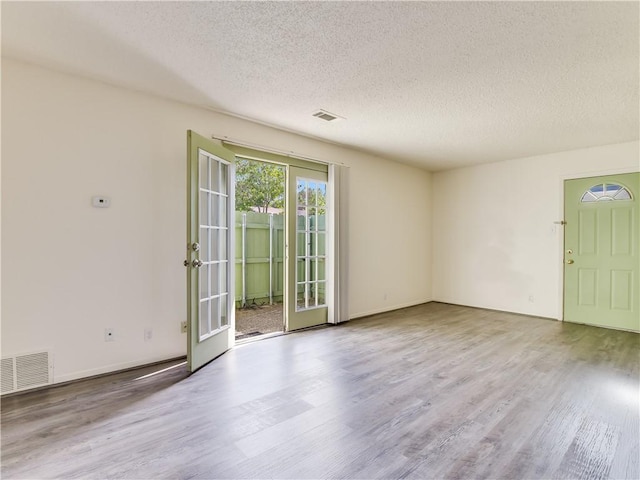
[(435, 84)]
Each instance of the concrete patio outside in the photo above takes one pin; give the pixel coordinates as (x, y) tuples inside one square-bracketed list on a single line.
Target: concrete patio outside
[(255, 320)]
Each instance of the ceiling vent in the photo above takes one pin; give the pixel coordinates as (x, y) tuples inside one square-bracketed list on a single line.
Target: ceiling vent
[(326, 116)]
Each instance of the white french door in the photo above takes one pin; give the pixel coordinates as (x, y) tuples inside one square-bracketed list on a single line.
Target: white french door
[(210, 240)]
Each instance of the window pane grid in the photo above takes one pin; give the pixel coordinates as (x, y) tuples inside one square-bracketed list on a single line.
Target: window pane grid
[(213, 192), (213, 297), (215, 262), (310, 200), (214, 233), (606, 192)]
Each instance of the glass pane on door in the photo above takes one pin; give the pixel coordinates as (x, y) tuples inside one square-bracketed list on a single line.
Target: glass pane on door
[(310, 251), (213, 240)]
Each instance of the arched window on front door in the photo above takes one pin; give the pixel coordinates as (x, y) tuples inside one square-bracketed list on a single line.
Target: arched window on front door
[(606, 192)]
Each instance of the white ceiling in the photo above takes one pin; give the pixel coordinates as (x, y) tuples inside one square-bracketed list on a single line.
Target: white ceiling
[(434, 84)]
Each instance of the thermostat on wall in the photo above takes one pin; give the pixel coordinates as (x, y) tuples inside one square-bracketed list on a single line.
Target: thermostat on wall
[(101, 202)]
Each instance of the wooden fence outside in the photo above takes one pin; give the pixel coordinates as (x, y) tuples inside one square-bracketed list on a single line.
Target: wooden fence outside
[(259, 258), (259, 261)]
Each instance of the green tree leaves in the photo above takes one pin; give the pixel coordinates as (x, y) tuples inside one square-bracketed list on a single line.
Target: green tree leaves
[(259, 186)]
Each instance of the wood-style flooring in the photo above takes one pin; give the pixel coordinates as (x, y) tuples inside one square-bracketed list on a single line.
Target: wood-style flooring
[(433, 391)]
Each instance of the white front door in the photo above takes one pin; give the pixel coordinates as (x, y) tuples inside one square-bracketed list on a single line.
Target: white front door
[(210, 241)]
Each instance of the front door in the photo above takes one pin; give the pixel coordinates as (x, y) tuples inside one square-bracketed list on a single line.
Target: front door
[(601, 258), (210, 203), (306, 246)]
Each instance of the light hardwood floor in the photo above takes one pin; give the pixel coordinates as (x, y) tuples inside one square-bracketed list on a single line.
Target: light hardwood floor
[(433, 391)]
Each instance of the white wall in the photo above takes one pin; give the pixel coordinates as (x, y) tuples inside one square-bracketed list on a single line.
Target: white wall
[(494, 240), (70, 270)]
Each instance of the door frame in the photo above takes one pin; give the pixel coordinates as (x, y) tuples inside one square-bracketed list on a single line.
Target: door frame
[(560, 231), (284, 232), (250, 153)]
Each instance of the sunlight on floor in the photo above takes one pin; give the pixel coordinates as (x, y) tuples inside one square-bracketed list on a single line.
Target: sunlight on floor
[(161, 371)]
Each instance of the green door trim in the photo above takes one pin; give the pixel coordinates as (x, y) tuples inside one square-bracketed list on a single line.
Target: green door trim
[(252, 154)]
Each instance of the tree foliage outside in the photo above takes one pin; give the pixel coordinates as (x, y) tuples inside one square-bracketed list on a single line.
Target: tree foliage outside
[(259, 186), (313, 194)]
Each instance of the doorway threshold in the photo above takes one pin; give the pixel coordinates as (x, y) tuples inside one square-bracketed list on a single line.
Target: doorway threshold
[(254, 338)]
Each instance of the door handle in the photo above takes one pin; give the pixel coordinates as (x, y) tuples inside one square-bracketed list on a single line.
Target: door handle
[(570, 261), (196, 263)]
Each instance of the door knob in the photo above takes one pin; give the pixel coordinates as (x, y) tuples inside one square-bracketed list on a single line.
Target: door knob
[(196, 263), (570, 261)]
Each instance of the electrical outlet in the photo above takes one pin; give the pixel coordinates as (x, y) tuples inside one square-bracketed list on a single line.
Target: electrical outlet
[(148, 334), (183, 327), (109, 335)]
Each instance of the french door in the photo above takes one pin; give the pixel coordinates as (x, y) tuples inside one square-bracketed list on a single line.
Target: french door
[(210, 248), (601, 258), (210, 236), (307, 248)]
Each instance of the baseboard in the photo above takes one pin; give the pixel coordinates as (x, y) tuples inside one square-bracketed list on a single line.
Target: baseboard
[(497, 310), (412, 304), (114, 368), (388, 309), (555, 319), (104, 374), (484, 307)]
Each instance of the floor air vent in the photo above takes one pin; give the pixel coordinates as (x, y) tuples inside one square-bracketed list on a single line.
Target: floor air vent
[(22, 372)]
